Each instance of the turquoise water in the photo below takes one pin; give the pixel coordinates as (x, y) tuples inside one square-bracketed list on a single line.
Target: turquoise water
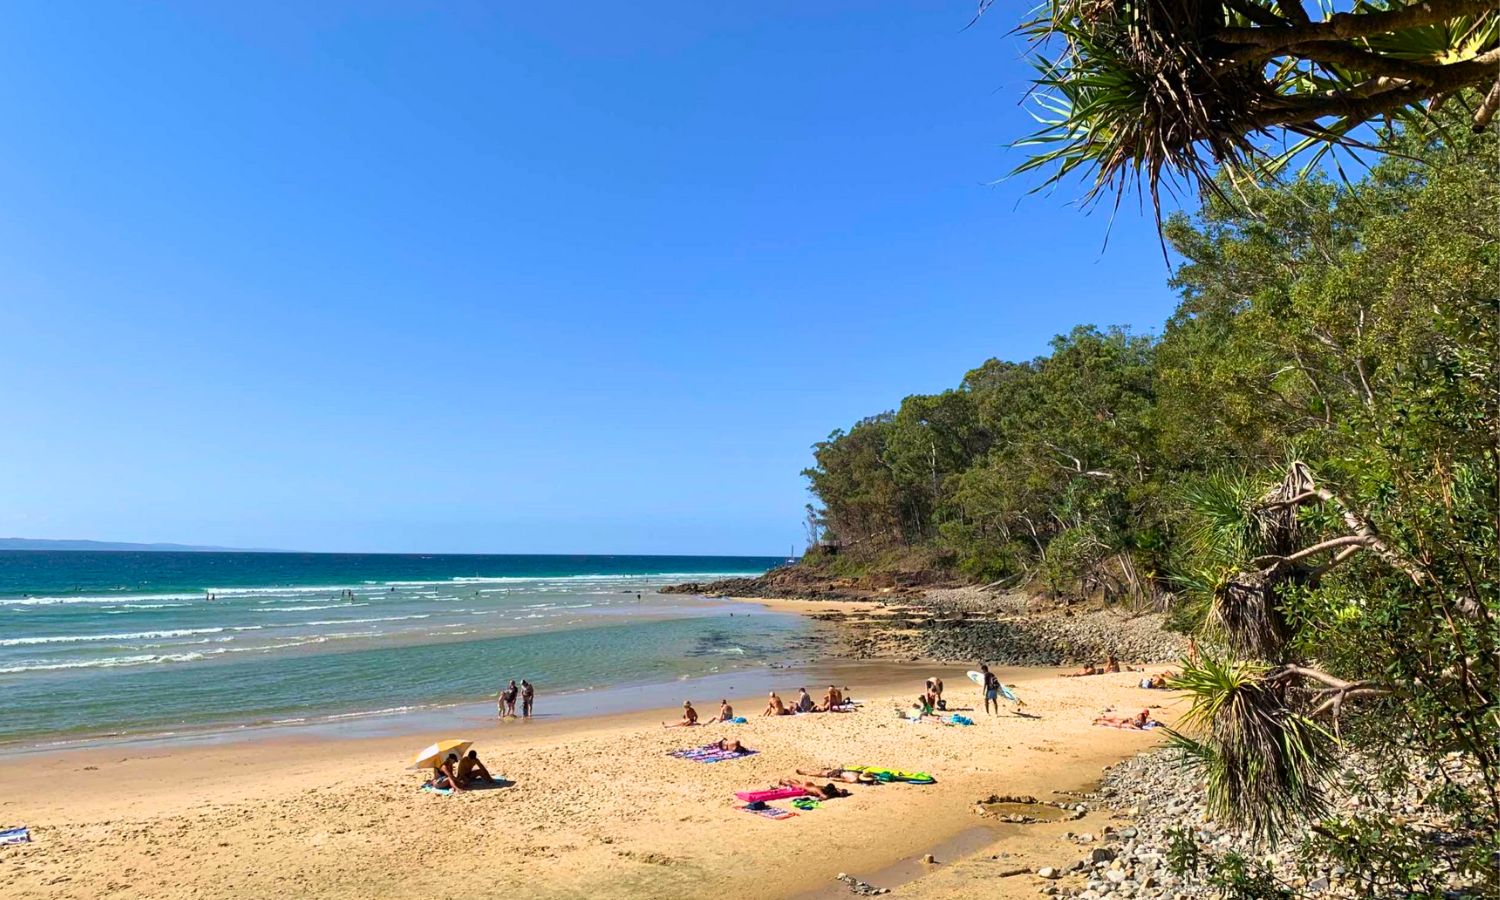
[(127, 643)]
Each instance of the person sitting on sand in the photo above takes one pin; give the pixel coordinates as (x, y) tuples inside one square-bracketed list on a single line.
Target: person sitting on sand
[(821, 791), (832, 700), (726, 712), (840, 774), (444, 778), (935, 690), (804, 702), (1136, 722), (775, 707), (921, 707), (729, 745), (1157, 682), (470, 766), (1111, 665), (689, 716)]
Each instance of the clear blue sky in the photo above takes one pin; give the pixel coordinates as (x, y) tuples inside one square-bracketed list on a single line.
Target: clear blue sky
[(481, 277)]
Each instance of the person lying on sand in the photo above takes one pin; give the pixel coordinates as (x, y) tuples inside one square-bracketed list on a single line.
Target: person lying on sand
[(469, 767), (443, 775), (1136, 722), (1087, 669), (729, 745), (821, 791), (804, 703), (726, 712), (689, 716), (775, 707), (841, 774), (832, 700), (1157, 682)]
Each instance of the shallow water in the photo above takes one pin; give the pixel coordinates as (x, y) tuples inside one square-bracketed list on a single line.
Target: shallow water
[(98, 643)]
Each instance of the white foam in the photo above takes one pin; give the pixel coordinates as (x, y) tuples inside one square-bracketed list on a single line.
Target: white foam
[(278, 609), (81, 638), (106, 663), (364, 621), (90, 598)]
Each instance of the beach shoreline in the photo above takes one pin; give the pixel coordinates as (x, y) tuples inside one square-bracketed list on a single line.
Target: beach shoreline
[(597, 807)]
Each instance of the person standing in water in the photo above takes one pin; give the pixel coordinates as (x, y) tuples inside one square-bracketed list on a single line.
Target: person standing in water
[(508, 700), (528, 693)]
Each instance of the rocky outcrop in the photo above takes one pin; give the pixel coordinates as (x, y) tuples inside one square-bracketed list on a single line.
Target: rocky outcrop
[(804, 583), (938, 621)]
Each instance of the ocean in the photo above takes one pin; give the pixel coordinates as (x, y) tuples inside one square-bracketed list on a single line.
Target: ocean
[(96, 644)]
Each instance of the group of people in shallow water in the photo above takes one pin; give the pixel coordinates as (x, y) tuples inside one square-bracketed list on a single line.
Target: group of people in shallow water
[(505, 707)]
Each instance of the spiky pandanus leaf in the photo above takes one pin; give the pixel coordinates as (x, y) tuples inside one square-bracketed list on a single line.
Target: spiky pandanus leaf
[(1134, 93), (1264, 764)]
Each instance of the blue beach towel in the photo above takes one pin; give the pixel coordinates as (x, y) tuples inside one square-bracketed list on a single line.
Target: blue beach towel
[(710, 753), (20, 835), (957, 719), (738, 720)]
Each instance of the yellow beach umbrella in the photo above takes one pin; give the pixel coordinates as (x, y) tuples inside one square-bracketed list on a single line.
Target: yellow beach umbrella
[(434, 754)]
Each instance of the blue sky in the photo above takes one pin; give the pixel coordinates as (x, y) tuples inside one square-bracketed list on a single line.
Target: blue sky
[(506, 277)]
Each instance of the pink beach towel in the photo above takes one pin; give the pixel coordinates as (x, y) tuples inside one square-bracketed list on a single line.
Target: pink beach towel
[(780, 793)]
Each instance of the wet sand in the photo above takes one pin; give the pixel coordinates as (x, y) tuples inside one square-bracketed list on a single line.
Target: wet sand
[(597, 808)]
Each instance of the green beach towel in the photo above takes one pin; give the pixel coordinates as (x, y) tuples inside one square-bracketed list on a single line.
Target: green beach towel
[(889, 775)]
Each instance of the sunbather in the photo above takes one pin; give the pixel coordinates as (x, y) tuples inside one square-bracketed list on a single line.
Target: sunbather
[(726, 712), (832, 700), (804, 703), (1086, 669), (841, 774), (443, 775), (469, 767), (732, 746), (1111, 665), (775, 707), (689, 716), (1136, 722), (821, 791)]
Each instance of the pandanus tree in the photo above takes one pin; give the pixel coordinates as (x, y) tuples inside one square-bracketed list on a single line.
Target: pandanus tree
[(1134, 92), (1344, 576)]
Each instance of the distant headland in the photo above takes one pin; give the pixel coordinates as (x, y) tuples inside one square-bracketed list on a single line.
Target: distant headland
[(46, 544)]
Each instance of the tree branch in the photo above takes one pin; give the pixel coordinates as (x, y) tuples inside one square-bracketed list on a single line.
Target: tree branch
[(1345, 26), (1487, 108)]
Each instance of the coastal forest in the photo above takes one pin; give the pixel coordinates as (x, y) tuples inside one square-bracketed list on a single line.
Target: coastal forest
[(1299, 466)]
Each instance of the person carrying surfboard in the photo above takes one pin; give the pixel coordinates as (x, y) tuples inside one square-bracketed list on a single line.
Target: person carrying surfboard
[(991, 689)]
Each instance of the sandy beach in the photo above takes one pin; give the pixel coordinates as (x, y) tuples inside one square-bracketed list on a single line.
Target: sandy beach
[(597, 807)]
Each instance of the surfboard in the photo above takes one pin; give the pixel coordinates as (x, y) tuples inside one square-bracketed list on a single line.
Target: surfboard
[(976, 677)]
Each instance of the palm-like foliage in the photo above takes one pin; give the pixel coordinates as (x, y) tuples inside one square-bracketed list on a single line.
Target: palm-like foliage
[(1264, 763), (1225, 526), (1136, 92)]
